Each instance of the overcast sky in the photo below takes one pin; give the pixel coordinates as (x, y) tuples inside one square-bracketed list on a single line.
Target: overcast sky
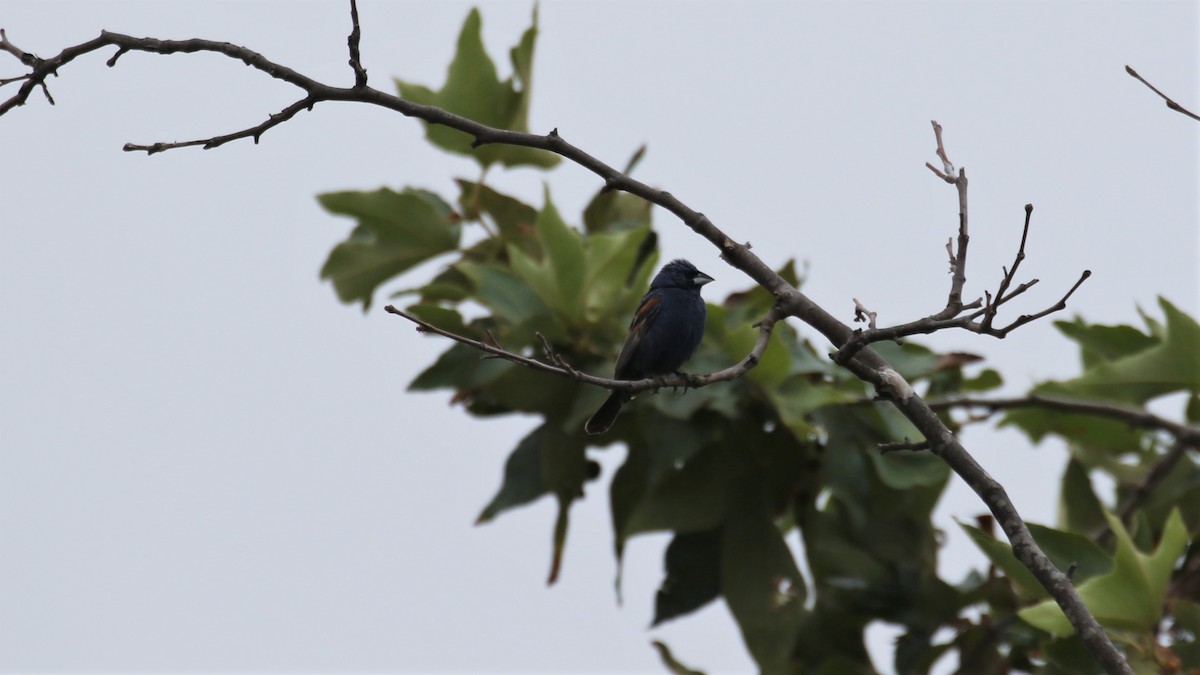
[(208, 464)]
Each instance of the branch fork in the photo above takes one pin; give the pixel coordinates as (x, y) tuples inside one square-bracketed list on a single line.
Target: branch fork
[(982, 311)]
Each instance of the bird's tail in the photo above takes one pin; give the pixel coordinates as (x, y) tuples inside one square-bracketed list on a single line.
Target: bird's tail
[(607, 414)]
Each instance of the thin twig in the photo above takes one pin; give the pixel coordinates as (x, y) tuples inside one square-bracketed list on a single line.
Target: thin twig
[(1170, 103), (986, 308), (254, 132), (958, 259), (360, 73), (1134, 417), (1056, 307), (994, 305), (1153, 478), (558, 366), (861, 314)]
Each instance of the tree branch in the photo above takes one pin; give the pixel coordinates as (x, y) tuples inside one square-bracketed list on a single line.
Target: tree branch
[(360, 73), (1135, 417), (1170, 103), (958, 261), (1185, 437), (865, 364), (1153, 478), (987, 308), (559, 366)]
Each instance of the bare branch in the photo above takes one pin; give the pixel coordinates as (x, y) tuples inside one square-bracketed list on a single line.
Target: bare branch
[(1154, 477), (1170, 103), (990, 306), (1056, 307), (948, 174), (1134, 417), (958, 259), (22, 56), (360, 73), (559, 366), (1185, 436), (254, 132)]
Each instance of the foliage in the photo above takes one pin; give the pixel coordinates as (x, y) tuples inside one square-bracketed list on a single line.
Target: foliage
[(790, 450)]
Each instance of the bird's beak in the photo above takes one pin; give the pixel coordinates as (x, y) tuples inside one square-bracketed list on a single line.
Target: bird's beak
[(701, 278)]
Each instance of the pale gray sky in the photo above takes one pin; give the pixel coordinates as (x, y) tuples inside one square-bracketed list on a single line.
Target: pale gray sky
[(208, 464)]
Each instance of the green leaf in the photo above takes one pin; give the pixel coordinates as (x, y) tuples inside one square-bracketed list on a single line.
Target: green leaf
[(502, 292), (1173, 365), (911, 360), (1187, 616), (724, 398), (514, 219), (585, 282), (798, 396), (1001, 555), (442, 317), (1069, 656), (450, 285), (986, 380), (395, 231), (1062, 548), (687, 496), (1130, 597), (1179, 489), (1071, 548), (558, 277), (759, 578), (659, 449), (693, 574), (748, 307), (474, 90), (1079, 509), (523, 480), (460, 367), (547, 460), (614, 280), (903, 471), (561, 524), (1087, 431), (614, 210), (1101, 344), (773, 366), (521, 389)]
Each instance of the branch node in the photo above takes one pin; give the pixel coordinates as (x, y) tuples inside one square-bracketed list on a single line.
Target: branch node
[(360, 73), (862, 314), (113, 61)]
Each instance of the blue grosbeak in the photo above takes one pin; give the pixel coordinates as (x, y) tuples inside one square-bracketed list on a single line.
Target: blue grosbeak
[(665, 330)]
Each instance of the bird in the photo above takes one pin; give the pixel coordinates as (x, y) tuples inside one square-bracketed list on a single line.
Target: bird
[(666, 329)]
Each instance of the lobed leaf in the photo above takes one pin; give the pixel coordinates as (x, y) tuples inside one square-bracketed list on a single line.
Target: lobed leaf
[(396, 231), (474, 90), (1129, 597)]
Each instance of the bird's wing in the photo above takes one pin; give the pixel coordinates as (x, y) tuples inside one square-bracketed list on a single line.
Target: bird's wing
[(642, 319)]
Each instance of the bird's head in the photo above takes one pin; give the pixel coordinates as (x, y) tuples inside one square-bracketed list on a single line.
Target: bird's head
[(680, 273)]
